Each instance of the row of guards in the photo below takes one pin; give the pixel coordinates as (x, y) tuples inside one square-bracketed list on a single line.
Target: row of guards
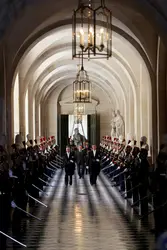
[(26, 177), (143, 186), (40, 140), (116, 143)]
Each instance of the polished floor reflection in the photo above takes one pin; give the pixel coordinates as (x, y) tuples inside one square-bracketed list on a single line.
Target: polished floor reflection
[(83, 217)]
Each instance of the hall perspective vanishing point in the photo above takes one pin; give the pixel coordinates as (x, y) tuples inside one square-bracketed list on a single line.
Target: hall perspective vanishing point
[(37, 70)]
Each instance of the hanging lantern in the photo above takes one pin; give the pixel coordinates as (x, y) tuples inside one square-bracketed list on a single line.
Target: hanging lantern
[(92, 30), (82, 87)]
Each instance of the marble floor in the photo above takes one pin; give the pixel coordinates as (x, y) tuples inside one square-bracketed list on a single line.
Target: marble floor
[(82, 217)]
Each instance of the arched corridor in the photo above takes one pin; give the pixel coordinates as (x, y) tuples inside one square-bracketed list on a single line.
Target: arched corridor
[(40, 62), (121, 128), (122, 83)]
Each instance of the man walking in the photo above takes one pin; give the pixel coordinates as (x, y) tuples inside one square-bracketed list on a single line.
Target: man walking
[(94, 164), (80, 160), (69, 165)]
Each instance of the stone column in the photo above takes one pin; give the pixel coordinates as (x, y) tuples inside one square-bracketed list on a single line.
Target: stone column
[(36, 118), (161, 91), (30, 112), (22, 106), (2, 91)]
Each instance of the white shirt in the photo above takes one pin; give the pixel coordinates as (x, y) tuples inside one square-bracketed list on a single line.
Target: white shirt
[(94, 152), (68, 154)]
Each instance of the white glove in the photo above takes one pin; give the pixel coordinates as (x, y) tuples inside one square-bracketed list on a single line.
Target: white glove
[(11, 174), (87, 167), (71, 161), (118, 168), (126, 170), (108, 159), (13, 204)]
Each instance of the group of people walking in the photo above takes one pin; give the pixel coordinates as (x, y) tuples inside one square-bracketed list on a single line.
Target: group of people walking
[(85, 159)]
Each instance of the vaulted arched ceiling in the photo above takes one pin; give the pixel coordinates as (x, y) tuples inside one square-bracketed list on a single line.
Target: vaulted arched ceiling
[(40, 50), (32, 21), (48, 61)]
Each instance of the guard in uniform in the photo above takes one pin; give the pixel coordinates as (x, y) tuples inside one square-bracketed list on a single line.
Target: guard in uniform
[(159, 189), (143, 175), (134, 175), (5, 197)]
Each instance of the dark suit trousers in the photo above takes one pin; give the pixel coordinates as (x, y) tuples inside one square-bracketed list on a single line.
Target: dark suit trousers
[(81, 170), (93, 178), (68, 179)]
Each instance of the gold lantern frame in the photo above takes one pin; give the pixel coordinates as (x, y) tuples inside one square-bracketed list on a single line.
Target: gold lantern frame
[(92, 31)]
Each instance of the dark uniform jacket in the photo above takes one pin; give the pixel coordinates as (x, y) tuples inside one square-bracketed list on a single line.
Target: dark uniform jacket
[(80, 158), (69, 163), (94, 162)]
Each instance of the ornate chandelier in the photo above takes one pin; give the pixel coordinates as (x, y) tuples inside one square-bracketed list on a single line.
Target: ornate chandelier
[(92, 30), (82, 87)]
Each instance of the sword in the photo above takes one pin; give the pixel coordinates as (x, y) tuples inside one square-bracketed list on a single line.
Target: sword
[(59, 159), (19, 208), (12, 239), (110, 165), (45, 182), (39, 189), (131, 189), (51, 169), (114, 171), (47, 176), (37, 200), (58, 156), (118, 184), (119, 174), (53, 166), (139, 200), (57, 162), (152, 211), (109, 174)]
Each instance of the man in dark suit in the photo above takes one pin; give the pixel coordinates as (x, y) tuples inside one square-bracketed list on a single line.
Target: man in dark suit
[(94, 164), (80, 160), (69, 165)]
